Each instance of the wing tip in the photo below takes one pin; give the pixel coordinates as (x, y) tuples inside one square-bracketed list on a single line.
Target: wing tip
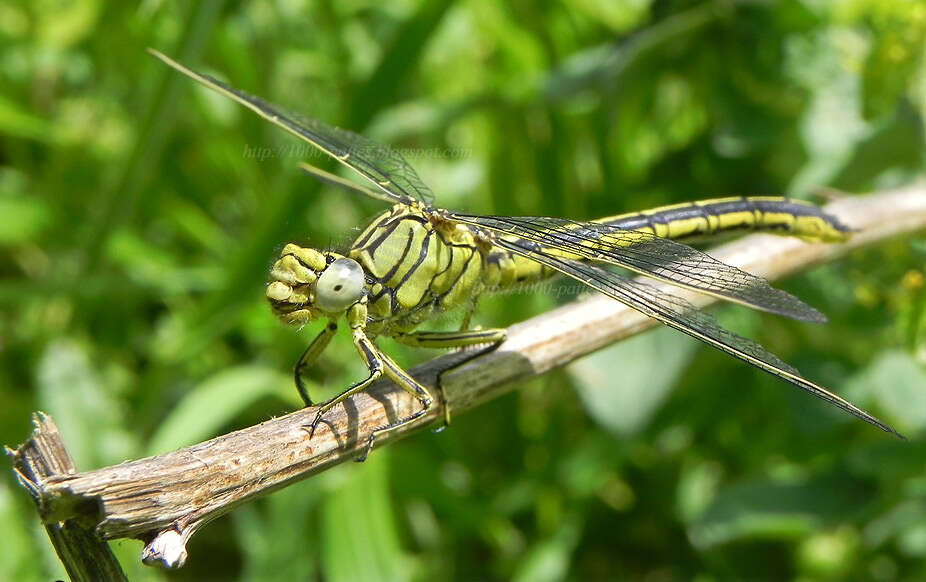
[(814, 315), (889, 429), (793, 308), (874, 421)]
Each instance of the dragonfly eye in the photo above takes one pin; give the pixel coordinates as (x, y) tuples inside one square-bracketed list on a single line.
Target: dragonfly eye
[(339, 286)]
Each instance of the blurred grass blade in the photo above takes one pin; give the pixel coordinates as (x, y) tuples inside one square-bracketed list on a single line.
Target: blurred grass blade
[(16, 122), (279, 542), (213, 404), (116, 205), (360, 538), (401, 57), (20, 561), (90, 418), (597, 67)]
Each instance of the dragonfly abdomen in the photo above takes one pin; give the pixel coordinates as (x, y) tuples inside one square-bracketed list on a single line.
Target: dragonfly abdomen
[(686, 221), (773, 214)]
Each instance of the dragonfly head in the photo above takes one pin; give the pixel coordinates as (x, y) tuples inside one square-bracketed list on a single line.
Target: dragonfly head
[(306, 284)]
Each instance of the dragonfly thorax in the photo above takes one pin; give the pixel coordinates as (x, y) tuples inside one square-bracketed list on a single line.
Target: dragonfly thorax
[(306, 284)]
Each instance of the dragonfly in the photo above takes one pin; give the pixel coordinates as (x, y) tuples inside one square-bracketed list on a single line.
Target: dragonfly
[(416, 261)]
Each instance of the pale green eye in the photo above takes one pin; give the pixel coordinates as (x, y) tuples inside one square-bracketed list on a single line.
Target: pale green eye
[(339, 286)]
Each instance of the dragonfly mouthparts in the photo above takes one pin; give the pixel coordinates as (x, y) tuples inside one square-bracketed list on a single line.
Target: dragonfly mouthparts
[(291, 288)]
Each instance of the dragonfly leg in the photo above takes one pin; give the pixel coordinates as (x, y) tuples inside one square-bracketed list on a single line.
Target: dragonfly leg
[(371, 356), (470, 310), (309, 356), (454, 339), (403, 380)]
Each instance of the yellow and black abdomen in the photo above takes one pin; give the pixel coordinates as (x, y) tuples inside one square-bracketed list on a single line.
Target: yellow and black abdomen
[(688, 222), (773, 214)]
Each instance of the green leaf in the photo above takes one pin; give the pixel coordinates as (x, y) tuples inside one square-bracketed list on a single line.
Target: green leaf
[(906, 516), (832, 125), (896, 382), (773, 509), (697, 488), (23, 219), (148, 265), (622, 387), (549, 560)]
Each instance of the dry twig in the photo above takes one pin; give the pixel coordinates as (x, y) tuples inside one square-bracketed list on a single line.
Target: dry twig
[(85, 556)]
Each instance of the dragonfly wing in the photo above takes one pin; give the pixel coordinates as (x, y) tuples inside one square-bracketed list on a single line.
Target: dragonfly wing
[(679, 314), (647, 254), (395, 179), (338, 182)]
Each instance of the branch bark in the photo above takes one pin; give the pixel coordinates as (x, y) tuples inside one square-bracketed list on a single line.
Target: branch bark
[(165, 499)]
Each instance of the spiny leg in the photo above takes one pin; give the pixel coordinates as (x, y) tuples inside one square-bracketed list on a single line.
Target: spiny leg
[(453, 339), (356, 317), (309, 356), (404, 381), (470, 310)]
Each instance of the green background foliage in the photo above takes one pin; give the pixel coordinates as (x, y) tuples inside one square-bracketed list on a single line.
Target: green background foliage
[(139, 214)]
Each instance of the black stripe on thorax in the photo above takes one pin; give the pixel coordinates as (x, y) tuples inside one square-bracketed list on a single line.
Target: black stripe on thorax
[(476, 255), (389, 224), (425, 245), (397, 262)]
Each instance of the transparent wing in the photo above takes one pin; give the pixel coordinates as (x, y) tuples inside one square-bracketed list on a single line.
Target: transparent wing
[(683, 316), (394, 178), (650, 255)]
